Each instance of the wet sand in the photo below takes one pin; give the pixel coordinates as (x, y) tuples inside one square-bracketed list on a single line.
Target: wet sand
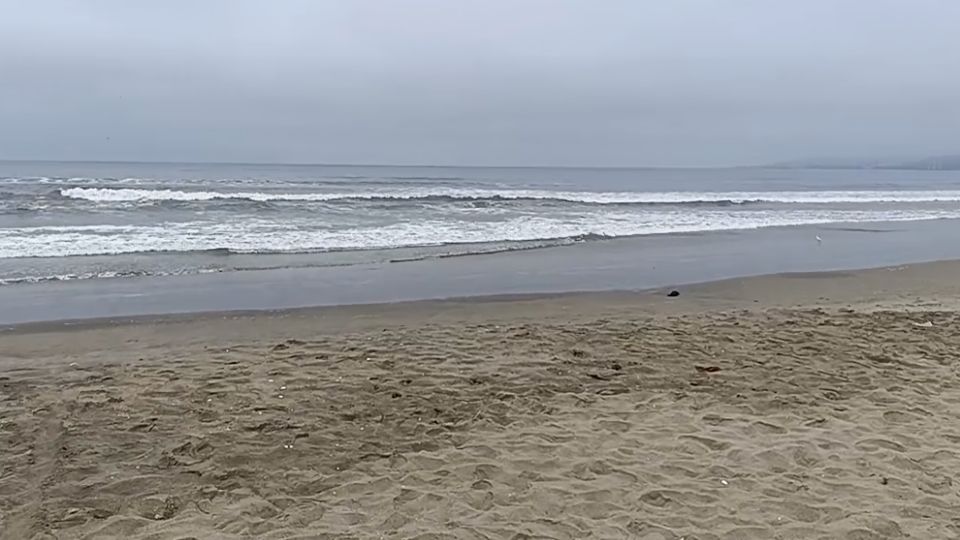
[(791, 406)]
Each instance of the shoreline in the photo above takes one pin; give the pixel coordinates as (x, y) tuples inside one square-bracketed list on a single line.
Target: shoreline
[(651, 295), (634, 264), (704, 293), (900, 287)]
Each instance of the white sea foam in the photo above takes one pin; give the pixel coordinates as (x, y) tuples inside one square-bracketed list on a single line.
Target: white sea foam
[(106, 195), (302, 235)]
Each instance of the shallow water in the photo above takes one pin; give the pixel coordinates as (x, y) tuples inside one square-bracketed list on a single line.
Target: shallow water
[(69, 221), (616, 264)]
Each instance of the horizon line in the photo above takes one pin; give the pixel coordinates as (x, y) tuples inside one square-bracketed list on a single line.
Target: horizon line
[(376, 165)]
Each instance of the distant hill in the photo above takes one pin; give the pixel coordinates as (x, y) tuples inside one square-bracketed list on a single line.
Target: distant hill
[(935, 163), (932, 163)]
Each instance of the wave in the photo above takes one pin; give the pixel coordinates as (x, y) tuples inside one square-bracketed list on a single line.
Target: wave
[(73, 180), (108, 195), (230, 265), (305, 235), (70, 277), (102, 274)]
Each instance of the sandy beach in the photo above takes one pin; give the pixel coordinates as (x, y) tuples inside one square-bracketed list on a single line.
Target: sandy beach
[(788, 406)]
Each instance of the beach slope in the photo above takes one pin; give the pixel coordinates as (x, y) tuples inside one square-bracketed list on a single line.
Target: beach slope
[(793, 406)]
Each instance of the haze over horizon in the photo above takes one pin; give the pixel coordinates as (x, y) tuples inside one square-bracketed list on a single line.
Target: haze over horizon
[(526, 83)]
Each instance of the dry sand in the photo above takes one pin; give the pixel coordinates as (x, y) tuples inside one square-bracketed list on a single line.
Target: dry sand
[(805, 406)]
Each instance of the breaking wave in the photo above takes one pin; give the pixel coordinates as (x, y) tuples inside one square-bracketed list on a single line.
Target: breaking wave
[(107, 195)]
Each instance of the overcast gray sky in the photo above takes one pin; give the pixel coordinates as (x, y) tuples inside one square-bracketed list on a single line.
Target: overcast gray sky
[(523, 82)]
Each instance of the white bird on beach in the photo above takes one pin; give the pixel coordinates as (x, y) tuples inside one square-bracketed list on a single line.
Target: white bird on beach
[(819, 240)]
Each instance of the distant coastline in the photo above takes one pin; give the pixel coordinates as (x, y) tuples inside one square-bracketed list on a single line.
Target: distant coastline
[(930, 163)]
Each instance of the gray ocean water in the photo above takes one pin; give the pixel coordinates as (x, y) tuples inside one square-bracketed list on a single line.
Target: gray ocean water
[(80, 221)]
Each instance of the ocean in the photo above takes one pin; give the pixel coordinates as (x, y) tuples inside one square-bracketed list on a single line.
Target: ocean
[(77, 221)]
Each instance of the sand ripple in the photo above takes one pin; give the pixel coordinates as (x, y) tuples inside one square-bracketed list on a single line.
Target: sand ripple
[(780, 424)]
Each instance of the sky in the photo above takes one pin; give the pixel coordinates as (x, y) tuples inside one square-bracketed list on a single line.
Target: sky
[(491, 82)]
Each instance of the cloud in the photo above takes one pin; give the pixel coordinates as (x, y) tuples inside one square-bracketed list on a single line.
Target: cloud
[(688, 82)]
